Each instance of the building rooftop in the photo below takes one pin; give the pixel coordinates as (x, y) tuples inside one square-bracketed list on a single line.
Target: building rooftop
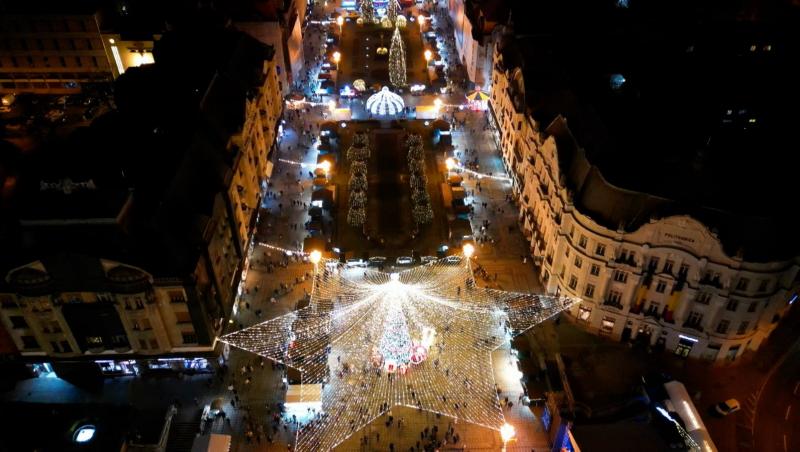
[(674, 112)]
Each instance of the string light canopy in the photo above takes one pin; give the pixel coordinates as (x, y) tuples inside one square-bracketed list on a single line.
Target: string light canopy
[(385, 103), (420, 338)]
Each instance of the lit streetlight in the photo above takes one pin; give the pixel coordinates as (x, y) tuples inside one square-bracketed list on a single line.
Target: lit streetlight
[(331, 105), (468, 250), (337, 56), (450, 163), (438, 104), (315, 256), (421, 20), (340, 22), (507, 433), (428, 55)]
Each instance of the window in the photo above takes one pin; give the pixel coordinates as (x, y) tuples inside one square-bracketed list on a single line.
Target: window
[(620, 276), (723, 325), (189, 338), (684, 270), (668, 265), (614, 297), (589, 291), (572, 232), (600, 250), (743, 327), (732, 305), (583, 241), (18, 322), (561, 273), (694, 318), (661, 286), (573, 282), (608, 324), (703, 298), (29, 342), (154, 344), (594, 270), (566, 252), (584, 313), (763, 285), (742, 284), (578, 262), (94, 340), (142, 344), (65, 347), (752, 307), (652, 265)]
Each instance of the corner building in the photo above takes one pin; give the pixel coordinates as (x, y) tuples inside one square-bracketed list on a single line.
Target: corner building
[(648, 201)]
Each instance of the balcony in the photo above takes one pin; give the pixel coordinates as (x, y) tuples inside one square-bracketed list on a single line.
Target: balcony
[(653, 312), (694, 326), (613, 303)]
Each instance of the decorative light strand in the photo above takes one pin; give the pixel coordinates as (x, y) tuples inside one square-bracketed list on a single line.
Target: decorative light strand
[(420, 338)]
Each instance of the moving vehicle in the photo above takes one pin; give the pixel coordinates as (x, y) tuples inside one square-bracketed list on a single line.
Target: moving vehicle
[(377, 261), (452, 260), (404, 260), (356, 263), (727, 407), (428, 259)]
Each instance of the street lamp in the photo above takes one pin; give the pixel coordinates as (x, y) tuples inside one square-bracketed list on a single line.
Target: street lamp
[(336, 58), (468, 251), (315, 256), (340, 22), (421, 20), (331, 105), (438, 104), (428, 55), (507, 433), (450, 163)]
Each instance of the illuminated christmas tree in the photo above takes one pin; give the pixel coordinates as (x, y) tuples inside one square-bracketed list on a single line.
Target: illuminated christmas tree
[(397, 60), (367, 10), (392, 11)]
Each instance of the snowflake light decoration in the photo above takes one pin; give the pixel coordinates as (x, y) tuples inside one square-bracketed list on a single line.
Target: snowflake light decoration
[(420, 338)]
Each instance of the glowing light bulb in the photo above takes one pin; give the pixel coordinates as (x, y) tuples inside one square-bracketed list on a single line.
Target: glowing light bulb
[(468, 250), (315, 257)]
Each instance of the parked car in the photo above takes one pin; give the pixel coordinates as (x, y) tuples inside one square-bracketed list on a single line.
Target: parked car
[(727, 407), (356, 263), (429, 259), (452, 260), (377, 261), (404, 260)]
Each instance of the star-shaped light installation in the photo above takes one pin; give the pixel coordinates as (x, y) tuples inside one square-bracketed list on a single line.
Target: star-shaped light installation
[(419, 338)]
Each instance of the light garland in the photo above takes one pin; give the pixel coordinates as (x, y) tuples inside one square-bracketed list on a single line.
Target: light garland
[(422, 210), (392, 11), (397, 60), (385, 103), (421, 338)]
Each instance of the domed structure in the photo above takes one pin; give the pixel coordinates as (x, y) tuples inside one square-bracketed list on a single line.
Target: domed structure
[(385, 103)]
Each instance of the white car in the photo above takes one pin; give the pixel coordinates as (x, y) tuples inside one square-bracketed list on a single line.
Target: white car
[(429, 259), (452, 260), (377, 261), (404, 260), (356, 263)]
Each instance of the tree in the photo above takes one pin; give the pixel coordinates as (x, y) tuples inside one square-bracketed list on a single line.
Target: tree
[(397, 60), (392, 11), (367, 11)]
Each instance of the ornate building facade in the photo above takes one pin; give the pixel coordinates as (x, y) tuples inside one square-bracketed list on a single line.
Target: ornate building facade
[(661, 276)]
